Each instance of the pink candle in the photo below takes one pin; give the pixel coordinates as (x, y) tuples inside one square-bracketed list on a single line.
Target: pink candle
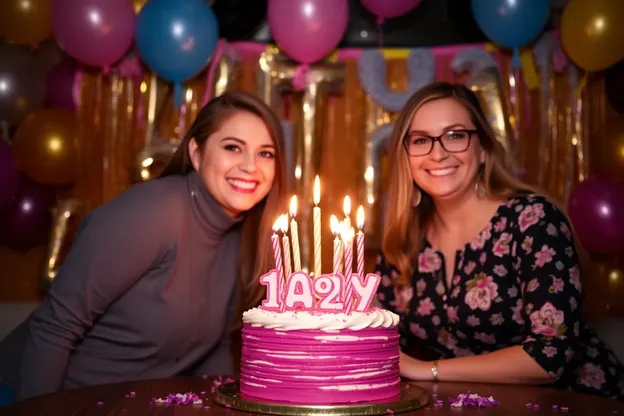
[(277, 251), (347, 240), (360, 242)]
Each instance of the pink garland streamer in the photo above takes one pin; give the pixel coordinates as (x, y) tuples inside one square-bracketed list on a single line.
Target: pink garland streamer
[(299, 82), (212, 69)]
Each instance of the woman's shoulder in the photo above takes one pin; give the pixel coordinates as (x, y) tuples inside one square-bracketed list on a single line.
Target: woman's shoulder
[(529, 209), (161, 198)]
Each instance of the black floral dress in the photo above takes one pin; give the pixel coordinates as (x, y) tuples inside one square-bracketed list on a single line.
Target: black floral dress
[(516, 283)]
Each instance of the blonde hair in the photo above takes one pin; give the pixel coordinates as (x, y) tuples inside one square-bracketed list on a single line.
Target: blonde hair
[(255, 253), (403, 233)]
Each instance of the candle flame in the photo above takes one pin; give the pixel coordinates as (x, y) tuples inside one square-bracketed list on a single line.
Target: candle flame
[(347, 205), (334, 225), (317, 190), (360, 217), (283, 223), (346, 232), (277, 225), (293, 206)]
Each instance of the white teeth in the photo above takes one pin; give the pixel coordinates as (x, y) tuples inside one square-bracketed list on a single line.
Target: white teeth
[(242, 184), (442, 172)]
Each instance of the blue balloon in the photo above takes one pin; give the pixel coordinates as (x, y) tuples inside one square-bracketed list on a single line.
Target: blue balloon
[(511, 23), (176, 38)]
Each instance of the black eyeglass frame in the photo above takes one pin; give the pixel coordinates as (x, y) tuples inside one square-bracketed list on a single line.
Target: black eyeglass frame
[(435, 139)]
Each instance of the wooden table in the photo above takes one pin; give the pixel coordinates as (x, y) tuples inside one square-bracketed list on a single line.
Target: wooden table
[(111, 400)]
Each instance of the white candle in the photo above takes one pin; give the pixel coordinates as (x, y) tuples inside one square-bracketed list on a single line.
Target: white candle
[(294, 234), (360, 242), (317, 227), (286, 245), (335, 229)]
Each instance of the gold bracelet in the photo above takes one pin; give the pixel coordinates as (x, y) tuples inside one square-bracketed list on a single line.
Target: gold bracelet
[(434, 370)]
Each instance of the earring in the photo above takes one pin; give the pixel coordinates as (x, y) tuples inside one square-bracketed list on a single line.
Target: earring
[(416, 197)]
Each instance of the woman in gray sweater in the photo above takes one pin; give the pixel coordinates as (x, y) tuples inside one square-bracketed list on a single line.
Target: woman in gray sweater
[(157, 277)]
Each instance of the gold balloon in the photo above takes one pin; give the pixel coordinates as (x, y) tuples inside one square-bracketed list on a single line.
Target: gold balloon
[(45, 146), (138, 5), (64, 210), (25, 22), (592, 34)]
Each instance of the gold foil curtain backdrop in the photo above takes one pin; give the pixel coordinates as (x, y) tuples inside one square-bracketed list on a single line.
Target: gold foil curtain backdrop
[(126, 120)]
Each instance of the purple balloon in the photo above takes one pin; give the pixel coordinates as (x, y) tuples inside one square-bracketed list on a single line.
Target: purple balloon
[(27, 220), (596, 209), (385, 9), (9, 176), (96, 32), (60, 85), (307, 30)]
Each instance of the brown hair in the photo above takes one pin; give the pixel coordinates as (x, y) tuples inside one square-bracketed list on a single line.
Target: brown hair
[(404, 225), (255, 251)]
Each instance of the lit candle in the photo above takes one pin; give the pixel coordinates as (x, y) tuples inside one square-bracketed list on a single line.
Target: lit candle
[(317, 227), (346, 208), (286, 244), (347, 240), (335, 229), (294, 234), (360, 242), (277, 252)]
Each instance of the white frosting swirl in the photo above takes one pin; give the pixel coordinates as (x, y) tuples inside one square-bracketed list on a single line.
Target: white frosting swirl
[(292, 320)]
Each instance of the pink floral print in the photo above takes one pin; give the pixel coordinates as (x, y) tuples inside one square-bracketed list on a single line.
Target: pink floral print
[(516, 283)]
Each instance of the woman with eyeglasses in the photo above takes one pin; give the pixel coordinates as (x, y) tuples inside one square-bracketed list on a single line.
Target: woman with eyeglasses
[(481, 267)]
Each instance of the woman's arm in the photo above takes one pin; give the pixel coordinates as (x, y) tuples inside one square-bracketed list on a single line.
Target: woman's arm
[(115, 246), (510, 365), (551, 296)]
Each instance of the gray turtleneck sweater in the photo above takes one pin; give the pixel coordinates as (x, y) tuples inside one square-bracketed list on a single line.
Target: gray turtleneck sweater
[(147, 291)]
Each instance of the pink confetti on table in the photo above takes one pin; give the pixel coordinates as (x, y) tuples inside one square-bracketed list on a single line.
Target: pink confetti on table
[(474, 400)]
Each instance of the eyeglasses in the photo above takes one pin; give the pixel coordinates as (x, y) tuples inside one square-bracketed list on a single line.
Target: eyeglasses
[(454, 141)]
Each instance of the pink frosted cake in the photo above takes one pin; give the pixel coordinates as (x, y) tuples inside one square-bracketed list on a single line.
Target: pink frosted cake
[(320, 357)]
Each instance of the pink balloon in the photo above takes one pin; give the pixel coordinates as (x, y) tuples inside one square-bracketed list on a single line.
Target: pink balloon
[(307, 30), (385, 9), (96, 32)]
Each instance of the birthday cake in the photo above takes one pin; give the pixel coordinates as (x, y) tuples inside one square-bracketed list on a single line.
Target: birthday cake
[(309, 347)]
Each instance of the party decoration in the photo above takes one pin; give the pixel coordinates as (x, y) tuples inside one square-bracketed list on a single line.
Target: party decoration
[(61, 214), (44, 146), (592, 33), (176, 39), (596, 208), (22, 83), (614, 86), (25, 22), (27, 220), (372, 74), (307, 30), (49, 54), (9, 176), (239, 19), (511, 23), (385, 9), (137, 5), (326, 293), (485, 80), (96, 32), (60, 85)]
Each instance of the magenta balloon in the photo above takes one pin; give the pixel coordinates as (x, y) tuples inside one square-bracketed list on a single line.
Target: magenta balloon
[(96, 32), (308, 30), (28, 218), (385, 9), (60, 85), (9, 176), (596, 209)]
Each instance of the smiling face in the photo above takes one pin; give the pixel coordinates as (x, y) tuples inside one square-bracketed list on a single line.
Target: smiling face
[(237, 162), (441, 174)]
